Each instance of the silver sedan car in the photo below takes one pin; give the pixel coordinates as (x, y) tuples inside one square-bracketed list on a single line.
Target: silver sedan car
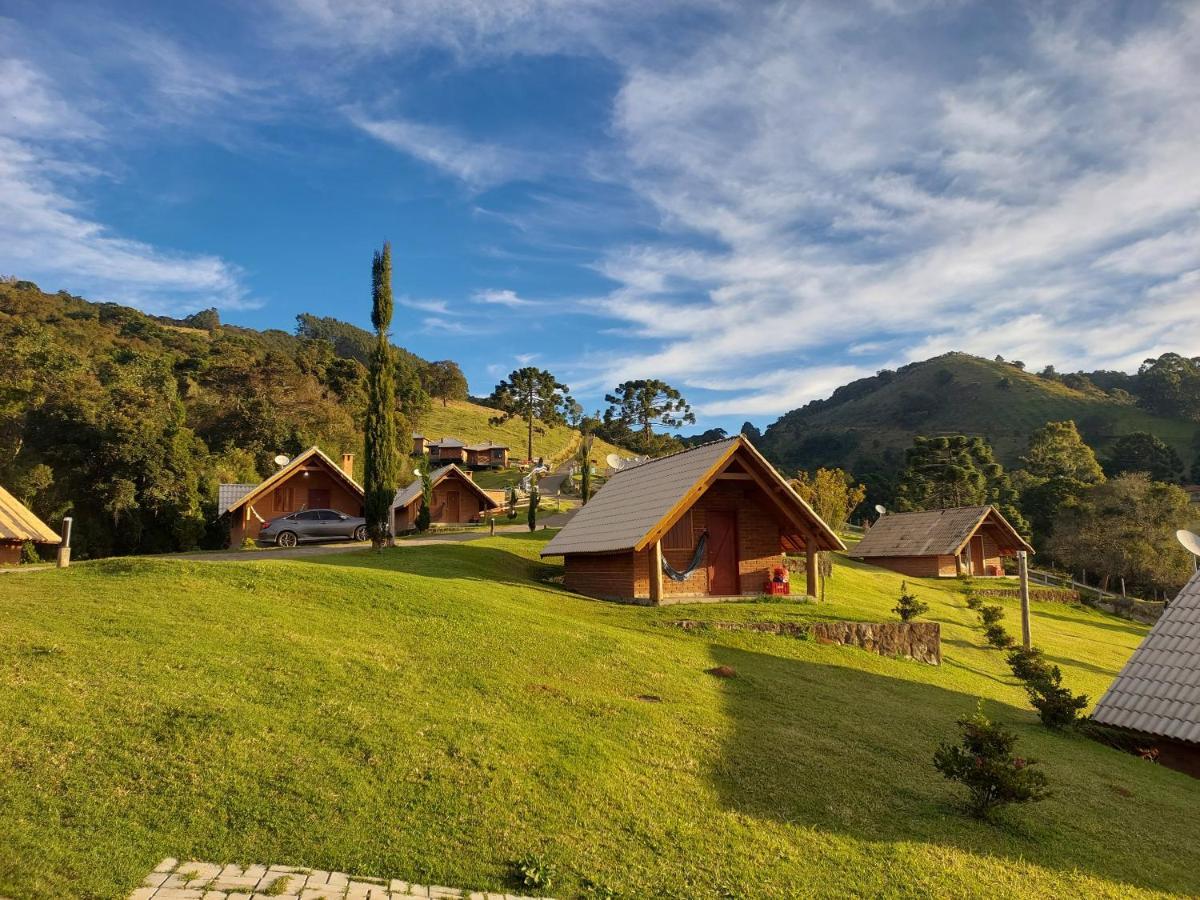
[(313, 525)]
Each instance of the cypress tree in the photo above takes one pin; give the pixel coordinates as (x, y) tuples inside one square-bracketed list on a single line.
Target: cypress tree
[(379, 450)]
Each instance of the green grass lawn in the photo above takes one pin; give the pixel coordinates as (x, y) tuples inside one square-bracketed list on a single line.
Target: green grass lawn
[(434, 713)]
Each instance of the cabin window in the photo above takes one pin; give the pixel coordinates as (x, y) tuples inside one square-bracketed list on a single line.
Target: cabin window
[(680, 535), (283, 499)]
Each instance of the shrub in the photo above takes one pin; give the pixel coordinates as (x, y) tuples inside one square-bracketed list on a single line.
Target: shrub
[(974, 601), (1028, 665), (534, 499), (512, 503), (998, 637), (423, 517), (983, 762), (533, 871), (908, 607), (29, 554), (990, 615), (1057, 707)]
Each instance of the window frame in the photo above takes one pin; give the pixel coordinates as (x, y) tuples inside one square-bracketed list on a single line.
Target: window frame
[(685, 525)]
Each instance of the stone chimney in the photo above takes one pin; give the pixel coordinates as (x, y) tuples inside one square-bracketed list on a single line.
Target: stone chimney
[(348, 464)]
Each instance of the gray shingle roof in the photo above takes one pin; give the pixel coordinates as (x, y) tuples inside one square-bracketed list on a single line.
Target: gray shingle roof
[(489, 445), (229, 494), (935, 532), (636, 500), (412, 491), (1158, 691), (446, 442)]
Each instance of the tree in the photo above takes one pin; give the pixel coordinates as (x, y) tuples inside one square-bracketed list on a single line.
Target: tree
[(908, 607), (750, 430), (1058, 465), (533, 395), (1125, 527), (535, 497), (444, 380), (983, 762), (1141, 451), (831, 493), (945, 472), (583, 459), (424, 513), (379, 450), (641, 405), (1170, 386)]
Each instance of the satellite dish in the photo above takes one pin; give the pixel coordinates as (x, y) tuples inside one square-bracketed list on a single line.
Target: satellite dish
[(281, 460), (881, 509), (614, 462), (1190, 541)]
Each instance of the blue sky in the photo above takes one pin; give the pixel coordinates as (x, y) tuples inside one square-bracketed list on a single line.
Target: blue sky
[(755, 202)]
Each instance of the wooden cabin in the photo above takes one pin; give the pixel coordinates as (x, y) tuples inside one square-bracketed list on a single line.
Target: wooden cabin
[(1157, 693), (942, 543), (488, 455), (418, 445), (447, 450), (18, 524), (456, 500), (310, 481), (720, 506)]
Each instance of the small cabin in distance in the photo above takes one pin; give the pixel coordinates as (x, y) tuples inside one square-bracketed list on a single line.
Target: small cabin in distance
[(942, 543), (310, 481), (447, 450), (456, 500), (488, 455)]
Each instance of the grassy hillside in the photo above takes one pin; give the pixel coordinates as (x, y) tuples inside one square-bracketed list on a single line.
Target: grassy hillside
[(469, 422), (957, 393), (433, 713)]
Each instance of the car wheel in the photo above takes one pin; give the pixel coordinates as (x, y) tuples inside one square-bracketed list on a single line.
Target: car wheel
[(360, 533), (286, 539)]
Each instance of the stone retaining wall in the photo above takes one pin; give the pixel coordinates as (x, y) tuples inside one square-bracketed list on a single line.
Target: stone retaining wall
[(921, 641), (1043, 594)]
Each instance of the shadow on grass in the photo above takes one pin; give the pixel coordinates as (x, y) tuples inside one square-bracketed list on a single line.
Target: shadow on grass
[(850, 752), (458, 560), (1111, 623)]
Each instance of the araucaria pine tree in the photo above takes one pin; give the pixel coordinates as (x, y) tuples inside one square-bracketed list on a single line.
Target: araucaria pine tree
[(379, 446)]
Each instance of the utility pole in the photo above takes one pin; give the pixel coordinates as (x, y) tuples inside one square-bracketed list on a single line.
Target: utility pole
[(1023, 569)]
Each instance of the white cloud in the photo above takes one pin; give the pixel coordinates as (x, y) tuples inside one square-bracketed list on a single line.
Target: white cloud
[(45, 233), (479, 165), (503, 298)]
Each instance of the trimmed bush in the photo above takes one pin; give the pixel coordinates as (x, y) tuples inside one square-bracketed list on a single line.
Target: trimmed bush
[(974, 601), (1057, 707), (908, 607), (1028, 665), (990, 615), (983, 762), (998, 637)]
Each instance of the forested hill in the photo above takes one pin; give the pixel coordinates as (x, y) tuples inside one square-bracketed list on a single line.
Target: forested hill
[(128, 421), (865, 426)]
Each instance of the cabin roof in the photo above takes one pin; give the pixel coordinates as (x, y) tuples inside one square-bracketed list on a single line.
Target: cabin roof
[(1158, 690), (446, 442), (280, 476), (488, 445), (18, 523), (412, 491), (934, 532), (640, 502)]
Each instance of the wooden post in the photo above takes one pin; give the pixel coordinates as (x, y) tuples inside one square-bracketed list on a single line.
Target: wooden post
[(1023, 570), (812, 579), (656, 573), (64, 549)]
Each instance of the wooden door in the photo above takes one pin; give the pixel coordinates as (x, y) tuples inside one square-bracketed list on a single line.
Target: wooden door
[(723, 580), (452, 507), (977, 556), (318, 498)]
